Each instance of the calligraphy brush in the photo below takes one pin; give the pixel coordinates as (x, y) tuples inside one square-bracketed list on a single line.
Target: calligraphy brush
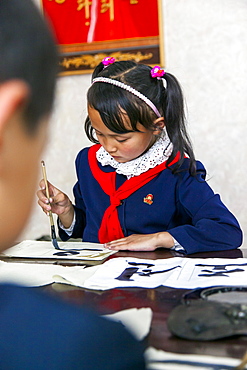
[(241, 366), (53, 232)]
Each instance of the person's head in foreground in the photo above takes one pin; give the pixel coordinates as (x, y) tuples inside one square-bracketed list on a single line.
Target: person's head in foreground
[(39, 331), (28, 67)]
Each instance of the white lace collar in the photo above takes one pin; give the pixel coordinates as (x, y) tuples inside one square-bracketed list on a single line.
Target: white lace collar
[(159, 152)]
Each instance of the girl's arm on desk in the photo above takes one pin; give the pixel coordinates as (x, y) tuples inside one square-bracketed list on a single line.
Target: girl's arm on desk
[(143, 242), (59, 203)]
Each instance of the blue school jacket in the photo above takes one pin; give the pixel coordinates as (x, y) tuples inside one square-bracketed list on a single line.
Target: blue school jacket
[(39, 332), (181, 204)]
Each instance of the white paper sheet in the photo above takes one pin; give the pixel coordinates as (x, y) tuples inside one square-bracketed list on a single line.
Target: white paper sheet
[(75, 277), (45, 250), (33, 274), (109, 274), (183, 273), (161, 360), (136, 320)]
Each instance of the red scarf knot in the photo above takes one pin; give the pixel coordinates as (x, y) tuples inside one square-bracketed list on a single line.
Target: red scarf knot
[(110, 228), (115, 201)]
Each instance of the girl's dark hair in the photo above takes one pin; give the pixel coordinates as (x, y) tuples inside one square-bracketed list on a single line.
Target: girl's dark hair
[(110, 101)]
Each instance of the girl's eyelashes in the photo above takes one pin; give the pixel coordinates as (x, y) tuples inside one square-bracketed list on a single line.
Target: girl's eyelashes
[(121, 141), (118, 140)]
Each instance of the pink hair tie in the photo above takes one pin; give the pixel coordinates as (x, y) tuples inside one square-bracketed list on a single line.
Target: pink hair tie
[(108, 60), (157, 72)]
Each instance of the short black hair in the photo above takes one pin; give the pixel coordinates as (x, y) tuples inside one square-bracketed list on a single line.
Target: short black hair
[(28, 52)]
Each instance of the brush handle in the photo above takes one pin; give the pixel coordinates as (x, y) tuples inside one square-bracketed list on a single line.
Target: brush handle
[(47, 190)]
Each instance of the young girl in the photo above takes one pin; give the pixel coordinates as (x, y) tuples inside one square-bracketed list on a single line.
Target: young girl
[(139, 188)]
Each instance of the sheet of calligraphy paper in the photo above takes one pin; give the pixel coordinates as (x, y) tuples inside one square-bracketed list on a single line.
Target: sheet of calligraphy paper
[(70, 250), (160, 360), (136, 320), (183, 273), (34, 274)]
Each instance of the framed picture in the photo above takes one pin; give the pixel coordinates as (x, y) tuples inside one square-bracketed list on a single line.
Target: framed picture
[(89, 30)]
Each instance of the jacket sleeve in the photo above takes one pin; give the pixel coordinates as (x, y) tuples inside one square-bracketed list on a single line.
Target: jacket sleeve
[(213, 227), (80, 221), (79, 208)]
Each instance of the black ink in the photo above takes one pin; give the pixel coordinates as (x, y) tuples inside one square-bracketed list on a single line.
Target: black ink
[(66, 253), (140, 264), (150, 272), (220, 273), (127, 273), (221, 267)]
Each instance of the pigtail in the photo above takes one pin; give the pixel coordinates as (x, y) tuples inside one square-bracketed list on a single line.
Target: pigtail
[(99, 68), (173, 108)]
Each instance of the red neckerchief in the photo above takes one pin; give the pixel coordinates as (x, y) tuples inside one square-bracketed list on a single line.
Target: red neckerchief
[(110, 228)]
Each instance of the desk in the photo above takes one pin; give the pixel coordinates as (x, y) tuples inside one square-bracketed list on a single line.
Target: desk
[(161, 300)]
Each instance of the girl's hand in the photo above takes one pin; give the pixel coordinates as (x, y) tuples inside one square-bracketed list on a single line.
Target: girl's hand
[(59, 203), (142, 242)]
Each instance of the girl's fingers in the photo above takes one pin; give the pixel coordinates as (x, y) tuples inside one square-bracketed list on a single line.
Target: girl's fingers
[(51, 188), (58, 202), (45, 207), (42, 184), (62, 201), (134, 243), (42, 197)]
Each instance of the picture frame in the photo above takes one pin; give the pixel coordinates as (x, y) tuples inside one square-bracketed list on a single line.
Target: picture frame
[(89, 30)]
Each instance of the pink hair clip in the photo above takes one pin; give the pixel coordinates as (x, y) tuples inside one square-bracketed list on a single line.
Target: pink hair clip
[(157, 72), (108, 60)]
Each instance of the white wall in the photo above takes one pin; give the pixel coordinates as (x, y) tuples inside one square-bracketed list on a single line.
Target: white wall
[(206, 49)]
